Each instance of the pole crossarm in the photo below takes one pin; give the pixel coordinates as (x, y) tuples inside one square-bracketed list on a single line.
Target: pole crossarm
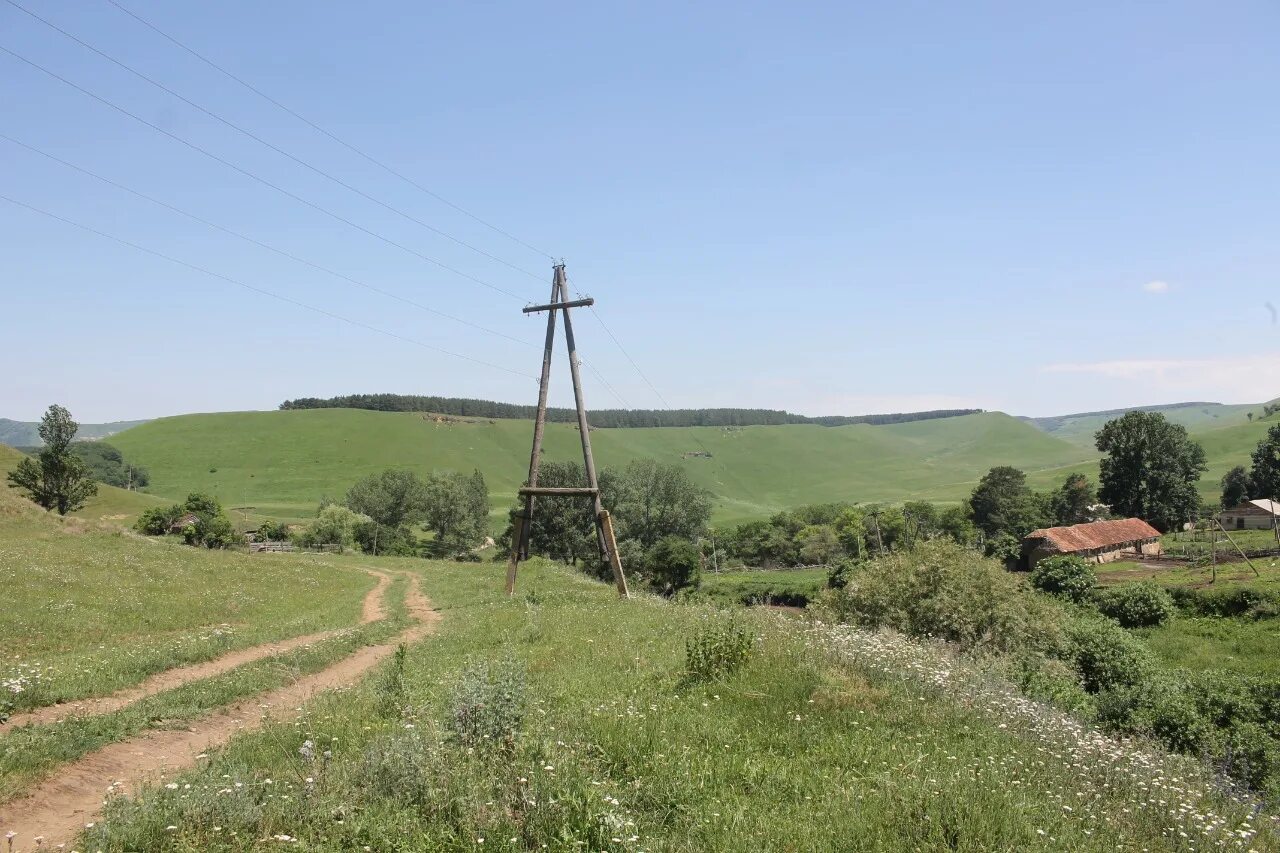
[(586, 302), (523, 522)]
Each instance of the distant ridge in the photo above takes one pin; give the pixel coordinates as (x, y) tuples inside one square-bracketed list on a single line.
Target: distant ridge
[(1054, 422), (25, 434), (606, 418)]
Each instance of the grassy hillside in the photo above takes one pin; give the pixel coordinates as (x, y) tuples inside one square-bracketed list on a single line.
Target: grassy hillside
[(281, 463), (110, 504), (1079, 429)]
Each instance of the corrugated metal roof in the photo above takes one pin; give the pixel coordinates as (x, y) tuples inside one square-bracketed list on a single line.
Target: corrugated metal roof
[(1267, 506), (1095, 534)]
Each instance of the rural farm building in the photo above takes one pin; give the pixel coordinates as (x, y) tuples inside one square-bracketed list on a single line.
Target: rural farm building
[(1096, 541), (1250, 515), (181, 522)]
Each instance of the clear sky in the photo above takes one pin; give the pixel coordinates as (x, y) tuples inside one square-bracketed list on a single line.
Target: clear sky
[(823, 207)]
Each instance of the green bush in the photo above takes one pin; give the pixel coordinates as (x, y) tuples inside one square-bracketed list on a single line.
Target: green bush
[(674, 564), (841, 572), (335, 525), (1139, 605), (1161, 707), (156, 520), (273, 531), (1228, 601), (489, 701), (718, 646), (1070, 577), (1105, 655), (939, 589)]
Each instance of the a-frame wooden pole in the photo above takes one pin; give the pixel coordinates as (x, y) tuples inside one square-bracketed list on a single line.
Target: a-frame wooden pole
[(608, 548), (540, 418)]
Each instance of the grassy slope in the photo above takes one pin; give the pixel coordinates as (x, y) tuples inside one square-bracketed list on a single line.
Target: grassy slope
[(1079, 430), (794, 753), (92, 608), (110, 504), (281, 463)]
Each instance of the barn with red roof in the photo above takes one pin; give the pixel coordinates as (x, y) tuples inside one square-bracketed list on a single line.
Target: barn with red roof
[(1096, 541)]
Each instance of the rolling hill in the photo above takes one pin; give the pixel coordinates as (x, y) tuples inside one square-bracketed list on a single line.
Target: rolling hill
[(281, 463), (1079, 428), (110, 504)]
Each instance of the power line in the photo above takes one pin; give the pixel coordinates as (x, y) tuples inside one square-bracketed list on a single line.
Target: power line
[(262, 291), (605, 382), (258, 178), (265, 143), (321, 130), (259, 243)]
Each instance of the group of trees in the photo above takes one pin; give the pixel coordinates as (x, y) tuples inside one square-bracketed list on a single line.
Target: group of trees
[(604, 418), (1262, 480), (209, 525), (381, 512), (658, 516)]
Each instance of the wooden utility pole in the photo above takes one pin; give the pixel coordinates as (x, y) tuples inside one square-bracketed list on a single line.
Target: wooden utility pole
[(524, 521)]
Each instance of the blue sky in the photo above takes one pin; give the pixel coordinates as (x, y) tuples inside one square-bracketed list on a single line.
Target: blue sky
[(828, 208)]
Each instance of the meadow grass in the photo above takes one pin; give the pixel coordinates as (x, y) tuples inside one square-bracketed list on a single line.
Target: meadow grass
[(29, 753), (789, 587), (91, 609), (1250, 647), (281, 463), (815, 743)]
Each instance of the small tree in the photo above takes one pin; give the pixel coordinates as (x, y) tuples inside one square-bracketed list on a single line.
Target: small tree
[(650, 501), (395, 499), (56, 479), (1003, 504), (457, 510), (1236, 485), (335, 525), (1070, 503), (674, 564)]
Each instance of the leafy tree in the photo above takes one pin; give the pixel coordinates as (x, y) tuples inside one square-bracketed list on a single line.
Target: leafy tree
[(674, 564), (922, 520), (1236, 486), (457, 510), (1002, 503), (956, 523), (819, 544), (1151, 468), (56, 479), (334, 525), (107, 464), (563, 527), (156, 520), (1070, 503), (1266, 466), (394, 500), (273, 531), (651, 501)]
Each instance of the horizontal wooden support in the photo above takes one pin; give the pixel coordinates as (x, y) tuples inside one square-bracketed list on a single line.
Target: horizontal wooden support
[(539, 490), (576, 303)]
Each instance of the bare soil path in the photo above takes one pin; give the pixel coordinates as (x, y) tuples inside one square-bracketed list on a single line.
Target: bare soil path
[(58, 808), (372, 610)]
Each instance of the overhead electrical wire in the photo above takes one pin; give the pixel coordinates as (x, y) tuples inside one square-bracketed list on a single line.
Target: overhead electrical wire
[(259, 243), (369, 157), (260, 290), (251, 135), (258, 178)]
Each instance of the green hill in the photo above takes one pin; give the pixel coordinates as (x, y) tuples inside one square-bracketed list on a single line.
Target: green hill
[(1080, 428), (281, 463), (110, 504)]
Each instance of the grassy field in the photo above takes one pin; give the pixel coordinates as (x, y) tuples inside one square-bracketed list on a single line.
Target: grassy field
[(281, 463), (793, 587), (110, 504), (1215, 643), (568, 720), (91, 608)]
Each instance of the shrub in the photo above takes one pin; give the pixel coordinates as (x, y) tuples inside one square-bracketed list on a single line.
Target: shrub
[(674, 564), (489, 704), (335, 525), (841, 572), (1069, 577), (940, 589), (1228, 601), (719, 646), (404, 767), (273, 531), (1160, 707), (1106, 655), (1139, 605), (156, 520)]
